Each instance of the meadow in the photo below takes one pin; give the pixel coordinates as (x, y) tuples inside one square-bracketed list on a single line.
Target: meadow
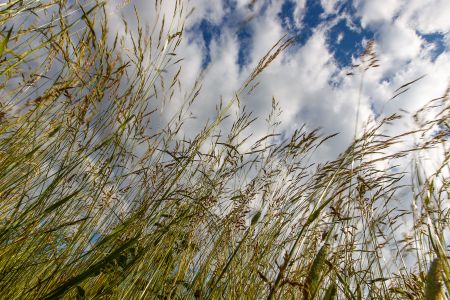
[(102, 198)]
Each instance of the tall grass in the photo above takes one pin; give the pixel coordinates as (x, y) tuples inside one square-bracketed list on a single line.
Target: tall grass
[(101, 197)]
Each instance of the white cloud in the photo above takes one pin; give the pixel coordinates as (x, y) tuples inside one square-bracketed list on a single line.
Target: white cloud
[(427, 16), (299, 12), (340, 37), (375, 12), (221, 80), (403, 55), (330, 6), (397, 41), (447, 41), (300, 78), (212, 11), (267, 30)]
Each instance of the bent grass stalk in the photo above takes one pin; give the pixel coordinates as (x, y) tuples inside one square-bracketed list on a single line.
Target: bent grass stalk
[(102, 196)]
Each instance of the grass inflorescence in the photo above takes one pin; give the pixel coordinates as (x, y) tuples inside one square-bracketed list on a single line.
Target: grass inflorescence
[(102, 197)]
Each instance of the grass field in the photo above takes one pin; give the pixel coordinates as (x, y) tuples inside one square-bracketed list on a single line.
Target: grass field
[(101, 198)]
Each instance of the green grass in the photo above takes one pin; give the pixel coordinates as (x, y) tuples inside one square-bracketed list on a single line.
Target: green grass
[(102, 199)]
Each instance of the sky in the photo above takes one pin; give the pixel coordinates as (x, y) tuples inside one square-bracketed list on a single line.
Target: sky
[(225, 39)]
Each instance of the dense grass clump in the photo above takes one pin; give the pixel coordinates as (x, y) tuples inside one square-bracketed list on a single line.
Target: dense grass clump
[(101, 197)]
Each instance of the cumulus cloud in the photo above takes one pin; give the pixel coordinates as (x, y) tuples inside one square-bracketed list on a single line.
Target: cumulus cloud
[(404, 54), (306, 79), (427, 16), (398, 41), (373, 13), (330, 6)]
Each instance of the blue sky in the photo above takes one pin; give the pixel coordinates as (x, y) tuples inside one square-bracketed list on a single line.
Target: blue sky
[(345, 36), (224, 40), (309, 79)]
